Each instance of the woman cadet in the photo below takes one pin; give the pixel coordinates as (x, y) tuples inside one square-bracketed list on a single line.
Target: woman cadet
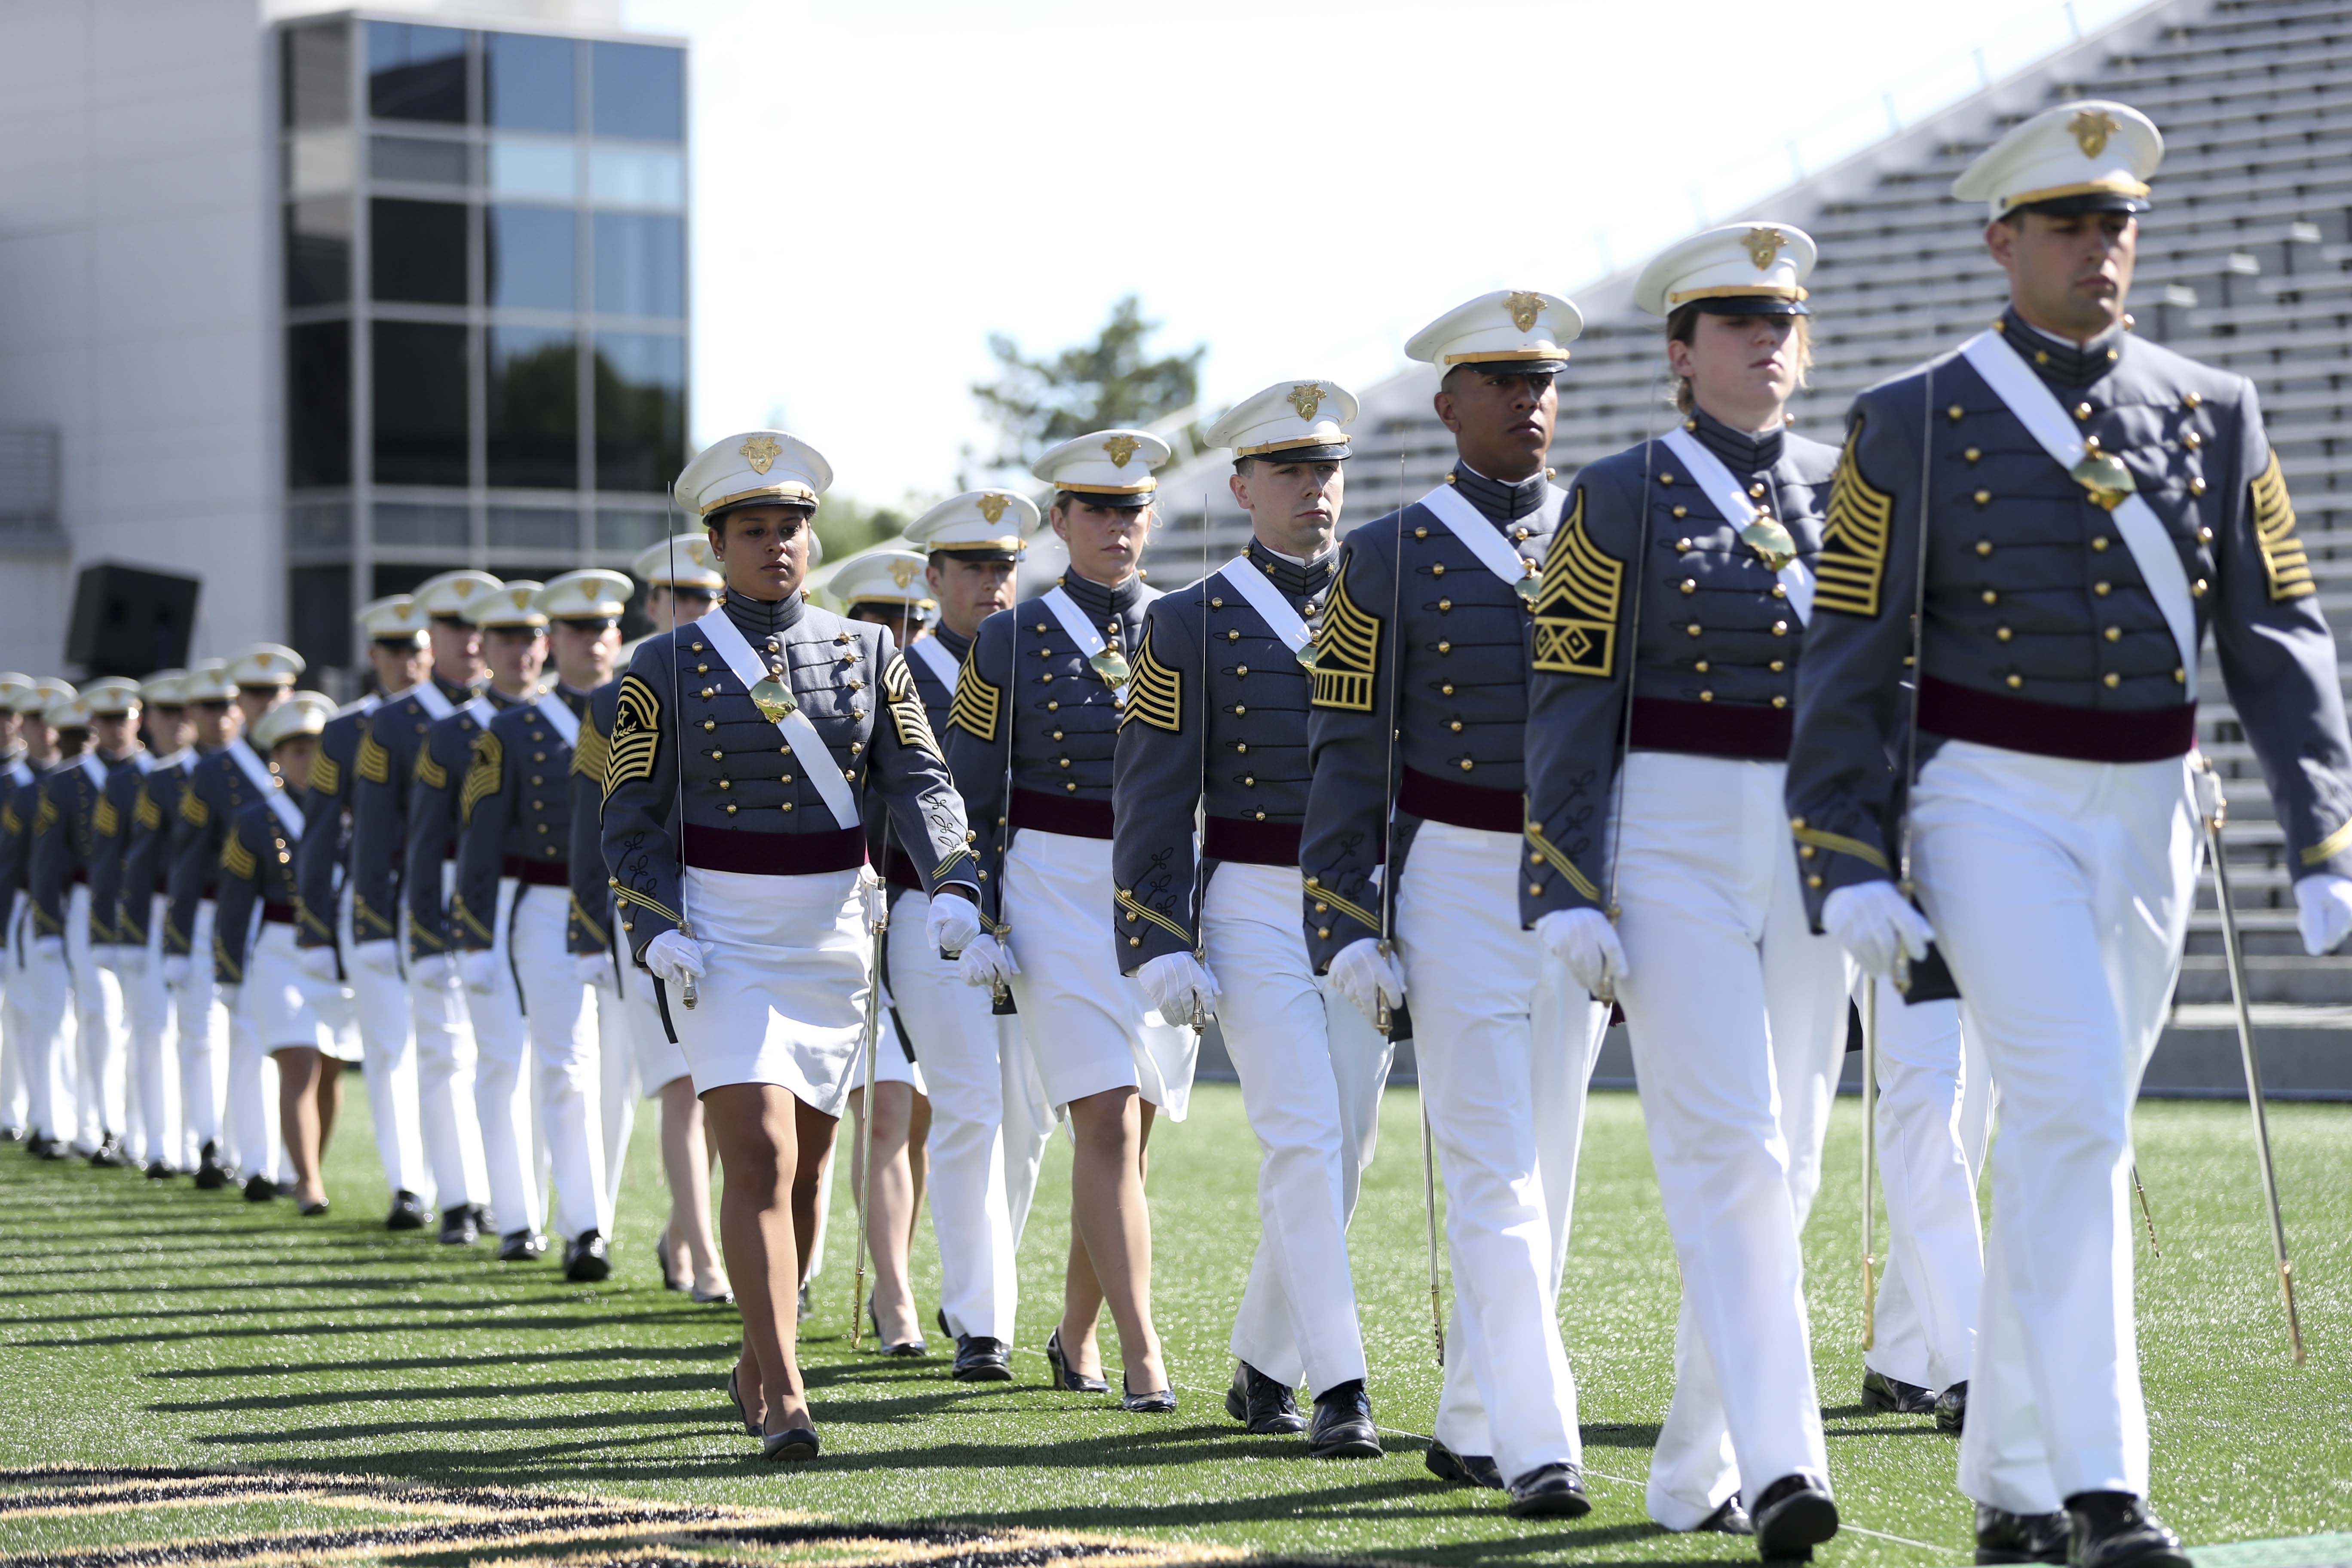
[(742, 745), (1685, 572)]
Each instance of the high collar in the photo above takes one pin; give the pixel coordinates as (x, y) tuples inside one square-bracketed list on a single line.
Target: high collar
[(1498, 500), (10, 757), (1295, 579), (956, 643), (1741, 452), (575, 700), (758, 619), (1098, 603), (452, 690), (2058, 361), (499, 699)]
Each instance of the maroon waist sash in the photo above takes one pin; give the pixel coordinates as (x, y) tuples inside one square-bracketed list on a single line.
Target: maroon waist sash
[(1462, 804), (1060, 814), (1712, 729), (2050, 730), (1249, 843), (772, 854)]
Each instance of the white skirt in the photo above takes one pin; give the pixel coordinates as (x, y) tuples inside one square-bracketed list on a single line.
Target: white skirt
[(1090, 1028), (286, 1007), (783, 1001)]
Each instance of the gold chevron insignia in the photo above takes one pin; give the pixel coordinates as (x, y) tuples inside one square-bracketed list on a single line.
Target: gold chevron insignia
[(1577, 601), (430, 774), (106, 822), (977, 704), (193, 809), (1155, 693), (1154, 916), (236, 859), (1347, 651), (1839, 843), (1524, 307), (761, 452), (146, 814), (907, 715), (637, 735), (1554, 856), (482, 778), (589, 757), (374, 763), (2284, 562), (1852, 567), (1120, 447), (326, 777)]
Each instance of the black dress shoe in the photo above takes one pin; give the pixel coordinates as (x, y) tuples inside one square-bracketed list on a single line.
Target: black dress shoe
[(259, 1190), (522, 1246), (1549, 1491), (1884, 1396), (1066, 1377), (461, 1226), (586, 1258), (1463, 1470), (2114, 1529), (1343, 1426), (1792, 1516), (797, 1444), (211, 1174), (2006, 1537), (979, 1359), (108, 1154), (1267, 1407), (11, 1134), (158, 1172), (1952, 1408), (1150, 1402), (48, 1149), (1731, 1518), (407, 1212)]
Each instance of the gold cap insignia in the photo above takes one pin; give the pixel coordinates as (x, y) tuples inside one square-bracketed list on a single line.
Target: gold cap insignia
[(992, 507), (760, 451), (2091, 128), (1120, 447), (1307, 398), (1524, 309), (464, 586), (902, 573), (1763, 245)]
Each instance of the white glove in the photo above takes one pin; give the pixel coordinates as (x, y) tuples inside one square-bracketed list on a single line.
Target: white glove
[(435, 968), (1176, 982), (2207, 783), (107, 955), (951, 924), (2323, 911), (130, 959), (176, 970), (1876, 924), (52, 946), (479, 966), (1585, 942), (377, 957), (228, 995), (318, 964), (1367, 976), (673, 958), (988, 962), (595, 969)]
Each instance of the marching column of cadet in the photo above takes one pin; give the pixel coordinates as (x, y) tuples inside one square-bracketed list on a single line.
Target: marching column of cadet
[(1905, 724)]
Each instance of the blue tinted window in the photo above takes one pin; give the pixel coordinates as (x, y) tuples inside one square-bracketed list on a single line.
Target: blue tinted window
[(640, 265), (640, 90), (417, 251), (416, 73), (534, 261), (420, 404), (534, 408), (640, 410), (528, 82)]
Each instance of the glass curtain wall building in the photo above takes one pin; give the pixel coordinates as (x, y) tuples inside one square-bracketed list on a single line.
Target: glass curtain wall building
[(485, 312)]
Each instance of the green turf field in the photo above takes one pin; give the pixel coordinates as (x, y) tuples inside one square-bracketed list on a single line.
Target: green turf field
[(144, 1324)]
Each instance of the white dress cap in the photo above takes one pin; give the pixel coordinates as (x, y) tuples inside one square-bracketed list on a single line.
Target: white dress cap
[(65, 710), (15, 690), (1756, 269), (265, 664), (164, 688), (1523, 328), (111, 698), (890, 576), (1105, 463), (515, 605), (589, 594), (989, 524), (2094, 149), (208, 681), (446, 596), (752, 467), (397, 619), (1302, 416), (303, 713), (681, 561)]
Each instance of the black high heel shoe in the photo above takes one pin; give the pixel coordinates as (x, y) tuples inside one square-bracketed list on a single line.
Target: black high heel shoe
[(908, 1347), (1066, 1377), (670, 1282), (1151, 1402), (798, 1443), (751, 1427)]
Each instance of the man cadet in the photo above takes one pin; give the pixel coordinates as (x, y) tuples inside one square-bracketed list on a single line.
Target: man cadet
[(200, 1027), (1419, 697), (989, 1119), (1216, 720), (385, 770), (514, 645), (514, 846), (15, 773), (398, 658), (2092, 502), (42, 986), (140, 827), (146, 1003)]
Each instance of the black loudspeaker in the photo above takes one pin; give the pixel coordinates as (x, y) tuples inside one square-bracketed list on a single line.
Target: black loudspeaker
[(130, 622)]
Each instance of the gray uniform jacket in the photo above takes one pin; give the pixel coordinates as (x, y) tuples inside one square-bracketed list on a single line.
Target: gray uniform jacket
[(697, 776), (384, 768), (216, 792), (1217, 715), (110, 829), (147, 847), (515, 819), (882, 848), (435, 796), (2041, 634), (1413, 610), (258, 867), (66, 845), (1715, 670), (592, 890), (1028, 704), (322, 861), (18, 798)]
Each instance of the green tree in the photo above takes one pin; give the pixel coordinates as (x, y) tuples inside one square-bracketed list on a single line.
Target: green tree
[(845, 525), (1037, 404)]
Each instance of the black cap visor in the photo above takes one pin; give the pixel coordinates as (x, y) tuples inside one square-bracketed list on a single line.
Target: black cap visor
[(2085, 202), (1107, 502), (1750, 305), (1334, 452)]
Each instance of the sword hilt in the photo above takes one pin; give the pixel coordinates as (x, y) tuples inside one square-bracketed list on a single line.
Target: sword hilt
[(687, 991)]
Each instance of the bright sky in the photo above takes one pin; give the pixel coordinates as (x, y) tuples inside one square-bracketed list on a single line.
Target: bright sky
[(879, 185)]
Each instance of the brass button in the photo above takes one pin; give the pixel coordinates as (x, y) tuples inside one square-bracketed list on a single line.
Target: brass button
[(1700, 666), (1705, 696), (1779, 702), (2081, 411), (1456, 726), (1053, 707), (1983, 496), (731, 808), (1813, 881), (1953, 413), (1047, 678), (1241, 670), (1683, 511), (2204, 536), (1776, 667), (1693, 628), (2112, 680), (1989, 597), (1779, 592), (1323, 931), (710, 723), (1417, 534), (1064, 761), (1072, 788), (1261, 817), (1805, 851), (1681, 546), (2196, 589), (2015, 681), (2179, 677), (1972, 454), (2190, 400), (1248, 782), (1240, 745), (702, 669), (788, 805), (787, 779), (1443, 606), (1465, 764), (1445, 647), (1755, 491), (1055, 736), (1240, 708), (1665, 478), (2099, 543), (1232, 636), (2115, 634), (1135, 941), (536, 779), (1535, 888), (2002, 634), (2192, 440), (2041, 356), (1438, 570), (2102, 589), (1984, 546), (726, 784), (1779, 629), (1690, 584), (1446, 690)]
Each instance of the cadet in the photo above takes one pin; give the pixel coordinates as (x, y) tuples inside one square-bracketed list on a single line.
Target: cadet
[(397, 658), (737, 869), (2100, 499), (199, 1027), (440, 917), (1031, 744), (514, 846), (256, 960), (1505, 1041), (1681, 582), (1216, 722), (385, 766), (135, 823), (43, 988), (988, 1118), (15, 774), (124, 755), (681, 585)]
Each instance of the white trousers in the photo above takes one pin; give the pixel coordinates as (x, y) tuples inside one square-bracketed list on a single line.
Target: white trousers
[(101, 1076), (503, 1102), (1737, 1074), (249, 1120), (387, 1065), (41, 993), (988, 1125), (449, 1127), (14, 1108), (618, 1088), (1935, 1112), (155, 1128), (1504, 1041), (2060, 893), (203, 1025), (567, 1072), (1312, 1070)]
